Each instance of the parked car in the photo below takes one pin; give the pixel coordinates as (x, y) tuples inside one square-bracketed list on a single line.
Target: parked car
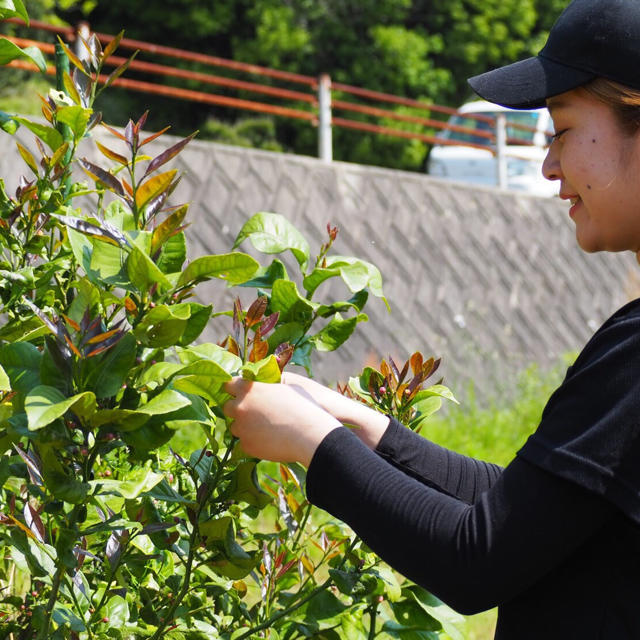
[(479, 166)]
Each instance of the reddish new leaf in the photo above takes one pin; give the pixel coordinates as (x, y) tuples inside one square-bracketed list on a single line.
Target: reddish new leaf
[(153, 136), (119, 71), (34, 522), (255, 311), (33, 466), (259, 351), (99, 174), (283, 353), (112, 155), (113, 45), (171, 152), (115, 132)]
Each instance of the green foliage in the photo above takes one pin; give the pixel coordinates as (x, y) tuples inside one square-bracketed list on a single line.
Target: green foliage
[(259, 133), (106, 530)]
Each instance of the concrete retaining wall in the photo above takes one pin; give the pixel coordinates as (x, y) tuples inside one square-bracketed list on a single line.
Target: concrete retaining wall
[(489, 280)]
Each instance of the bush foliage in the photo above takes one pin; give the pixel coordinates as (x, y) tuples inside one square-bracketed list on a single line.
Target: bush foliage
[(106, 530)]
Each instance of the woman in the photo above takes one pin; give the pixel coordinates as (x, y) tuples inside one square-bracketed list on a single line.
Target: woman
[(553, 539)]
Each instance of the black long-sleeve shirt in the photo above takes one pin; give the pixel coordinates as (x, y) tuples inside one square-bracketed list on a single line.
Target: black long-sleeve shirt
[(553, 540)]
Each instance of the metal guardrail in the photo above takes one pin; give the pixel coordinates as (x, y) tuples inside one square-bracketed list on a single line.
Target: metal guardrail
[(315, 100)]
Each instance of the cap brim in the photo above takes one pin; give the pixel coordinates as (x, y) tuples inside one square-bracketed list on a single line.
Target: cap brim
[(527, 84)]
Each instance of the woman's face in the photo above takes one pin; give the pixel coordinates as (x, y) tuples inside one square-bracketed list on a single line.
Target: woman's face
[(598, 166)]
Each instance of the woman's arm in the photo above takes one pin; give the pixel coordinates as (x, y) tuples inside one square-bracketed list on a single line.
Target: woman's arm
[(473, 557), (449, 472), (369, 424)]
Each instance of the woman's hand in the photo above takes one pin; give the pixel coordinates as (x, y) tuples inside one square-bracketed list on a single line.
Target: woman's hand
[(276, 422), (370, 424)]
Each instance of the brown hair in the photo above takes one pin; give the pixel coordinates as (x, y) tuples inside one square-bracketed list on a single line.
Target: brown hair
[(624, 101)]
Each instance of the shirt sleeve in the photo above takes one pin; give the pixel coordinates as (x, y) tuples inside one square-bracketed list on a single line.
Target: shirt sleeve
[(590, 428), (449, 472), (469, 555)]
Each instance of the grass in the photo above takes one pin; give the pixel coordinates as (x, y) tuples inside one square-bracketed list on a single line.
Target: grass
[(492, 429)]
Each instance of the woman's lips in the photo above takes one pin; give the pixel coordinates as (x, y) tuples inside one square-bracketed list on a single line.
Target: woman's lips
[(574, 205)]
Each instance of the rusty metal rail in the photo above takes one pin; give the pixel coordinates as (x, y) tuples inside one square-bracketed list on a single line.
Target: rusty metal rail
[(321, 98)]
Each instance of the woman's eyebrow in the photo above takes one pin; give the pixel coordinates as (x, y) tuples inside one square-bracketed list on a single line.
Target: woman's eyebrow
[(554, 104)]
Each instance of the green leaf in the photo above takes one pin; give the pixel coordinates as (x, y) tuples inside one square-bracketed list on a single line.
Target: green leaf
[(427, 406), (203, 378), (77, 118), (62, 486), (336, 332), (390, 581), (103, 263), (66, 618), (411, 616), (5, 383), (165, 493), (122, 420), (28, 158), (273, 233), (8, 123), (173, 254), (157, 374), (447, 617), (325, 608), (312, 281), (292, 307), (358, 274), (13, 9), (235, 268), (163, 326), (265, 370), (196, 323), (265, 277), (144, 272), (436, 390), (44, 404), (245, 487), (10, 51), (357, 302), (49, 135), (117, 610), (21, 362), (125, 420), (112, 368), (138, 481), (209, 351), (220, 535), (165, 402), (344, 580)]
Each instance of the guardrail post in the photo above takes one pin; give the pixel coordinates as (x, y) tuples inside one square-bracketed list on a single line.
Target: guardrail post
[(501, 143), (325, 144)]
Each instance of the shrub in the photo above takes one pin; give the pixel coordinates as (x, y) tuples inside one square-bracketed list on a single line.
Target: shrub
[(107, 531)]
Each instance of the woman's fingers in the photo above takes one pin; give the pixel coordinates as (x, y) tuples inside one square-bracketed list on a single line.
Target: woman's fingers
[(275, 421)]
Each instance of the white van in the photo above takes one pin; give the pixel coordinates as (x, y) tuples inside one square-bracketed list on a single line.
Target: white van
[(479, 166)]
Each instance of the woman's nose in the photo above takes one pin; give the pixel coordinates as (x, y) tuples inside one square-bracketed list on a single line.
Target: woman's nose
[(551, 166)]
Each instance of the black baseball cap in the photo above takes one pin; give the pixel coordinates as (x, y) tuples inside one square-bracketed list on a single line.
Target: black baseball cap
[(590, 39)]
